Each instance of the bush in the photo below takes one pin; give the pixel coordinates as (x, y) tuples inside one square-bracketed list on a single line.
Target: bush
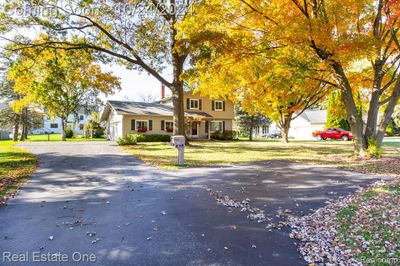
[(93, 129), (69, 133), (133, 139), (153, 138), (226, 135), (127, 140), (374, 151), (390, 132)]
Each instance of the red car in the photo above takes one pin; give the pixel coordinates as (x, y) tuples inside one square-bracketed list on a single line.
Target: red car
[(333, 133)]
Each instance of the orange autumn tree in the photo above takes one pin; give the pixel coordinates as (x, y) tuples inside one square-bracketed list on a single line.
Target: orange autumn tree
[(234, 60), (281, 86), (351, 38)]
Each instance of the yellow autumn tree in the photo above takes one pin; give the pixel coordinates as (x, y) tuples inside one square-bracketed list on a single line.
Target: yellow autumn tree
[(60, 81)]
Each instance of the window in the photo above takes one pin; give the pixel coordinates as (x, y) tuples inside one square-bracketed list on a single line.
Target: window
[(216, 126), (141, 125), (81, 117), (169, 126), (81, 126), (194, 104), (54, 125), (219, 106)]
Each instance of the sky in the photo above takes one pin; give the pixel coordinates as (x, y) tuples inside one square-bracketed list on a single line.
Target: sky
[(134, 84)]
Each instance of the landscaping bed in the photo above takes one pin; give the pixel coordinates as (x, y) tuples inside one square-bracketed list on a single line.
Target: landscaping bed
[(360, 229), (16, 166)]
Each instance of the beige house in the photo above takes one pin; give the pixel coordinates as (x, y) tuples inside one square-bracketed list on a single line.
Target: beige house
[(203, 117)]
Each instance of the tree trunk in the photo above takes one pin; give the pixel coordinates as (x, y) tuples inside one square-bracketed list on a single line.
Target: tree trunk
[(285, 126), (24, 120), (16, 127), (177, 88), (26, 123), (387, 115), (64, 128), (372, 121), (251, 128), (360, 144), (373, 110)]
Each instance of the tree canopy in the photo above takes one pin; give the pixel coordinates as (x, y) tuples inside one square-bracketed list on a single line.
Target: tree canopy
[(62, 82), (355, 43)]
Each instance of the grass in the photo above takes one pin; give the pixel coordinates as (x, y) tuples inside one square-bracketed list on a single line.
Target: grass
[(211, 153), (392, 144), (365, 221), (58, 137), (16, 166)]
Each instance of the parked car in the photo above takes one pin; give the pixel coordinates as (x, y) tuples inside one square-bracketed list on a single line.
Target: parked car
[(273, 135), (333, 133)]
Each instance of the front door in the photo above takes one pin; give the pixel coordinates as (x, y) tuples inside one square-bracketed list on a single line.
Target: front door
[(194, 128)]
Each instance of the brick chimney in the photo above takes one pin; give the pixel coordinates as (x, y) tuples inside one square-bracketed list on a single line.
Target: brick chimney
[(162, 91)]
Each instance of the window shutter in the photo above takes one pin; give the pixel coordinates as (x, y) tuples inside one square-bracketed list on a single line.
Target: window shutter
[(133, 124), (162, 125), (188, 103), (223, 106), (223, 126), (150, 125), (200, 104), (207, 125), (213, 105)]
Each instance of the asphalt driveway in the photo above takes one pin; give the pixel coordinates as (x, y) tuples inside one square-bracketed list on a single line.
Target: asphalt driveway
[(96, 205)]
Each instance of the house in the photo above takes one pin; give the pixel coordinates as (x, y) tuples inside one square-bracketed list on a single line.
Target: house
[(54, 125), (203, 117), (301, 127), (4, 132)]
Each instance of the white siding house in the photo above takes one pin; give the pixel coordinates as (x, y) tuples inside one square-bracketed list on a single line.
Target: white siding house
[(302, 127), (4, 132), (113, 125), (54, 125)]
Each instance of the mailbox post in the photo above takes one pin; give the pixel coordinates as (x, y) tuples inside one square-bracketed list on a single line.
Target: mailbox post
[(179, 143)]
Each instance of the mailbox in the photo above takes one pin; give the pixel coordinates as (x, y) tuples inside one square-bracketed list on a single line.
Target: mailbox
[(179, 143)]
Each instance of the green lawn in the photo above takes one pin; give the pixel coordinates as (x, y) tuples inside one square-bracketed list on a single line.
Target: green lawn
[(16, 166), (58, 137), (210, 153), (392, 144)]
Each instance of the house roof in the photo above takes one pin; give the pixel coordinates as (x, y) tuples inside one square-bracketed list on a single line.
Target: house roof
[(141, 108), (314, 116)]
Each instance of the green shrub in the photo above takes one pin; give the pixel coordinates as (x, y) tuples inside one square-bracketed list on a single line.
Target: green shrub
[(390, 129), (153, 138), (133, 139), (127, 140), (374, 151), (93, 129), (69, 133), (226, 135)]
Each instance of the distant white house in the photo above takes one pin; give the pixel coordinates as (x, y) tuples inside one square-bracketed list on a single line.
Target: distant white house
[(54, 125), (301, 128), (4, 132)]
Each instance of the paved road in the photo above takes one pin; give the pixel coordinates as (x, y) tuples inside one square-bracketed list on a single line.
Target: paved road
[(93, 198)]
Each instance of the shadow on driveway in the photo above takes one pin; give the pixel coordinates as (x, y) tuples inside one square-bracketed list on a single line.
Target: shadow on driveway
[(95, 198)]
